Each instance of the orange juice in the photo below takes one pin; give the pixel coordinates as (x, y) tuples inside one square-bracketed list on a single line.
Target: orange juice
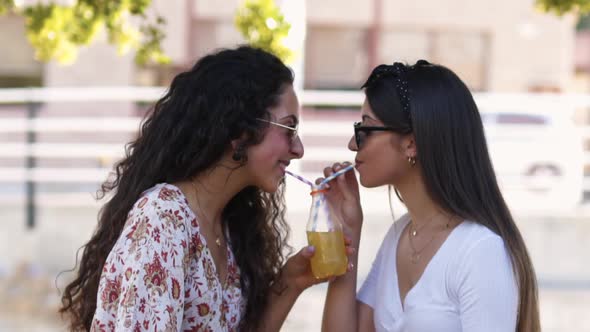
[(330, 255)]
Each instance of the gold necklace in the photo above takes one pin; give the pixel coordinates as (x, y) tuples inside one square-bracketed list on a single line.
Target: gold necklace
[(417, 254), (415, 231), (217, 237)]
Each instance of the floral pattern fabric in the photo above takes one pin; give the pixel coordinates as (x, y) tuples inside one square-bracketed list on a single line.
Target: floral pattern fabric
[(160, 275)]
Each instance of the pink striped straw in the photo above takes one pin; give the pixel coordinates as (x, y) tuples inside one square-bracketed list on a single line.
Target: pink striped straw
[(300, 178)]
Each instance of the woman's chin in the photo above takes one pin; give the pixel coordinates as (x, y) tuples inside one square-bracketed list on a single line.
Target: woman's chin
[(270, 187), (367, 183)]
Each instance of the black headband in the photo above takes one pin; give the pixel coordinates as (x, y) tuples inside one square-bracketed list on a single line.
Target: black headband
[(398, 71)]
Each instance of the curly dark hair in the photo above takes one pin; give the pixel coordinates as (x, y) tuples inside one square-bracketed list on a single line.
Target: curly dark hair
[(187, 132)]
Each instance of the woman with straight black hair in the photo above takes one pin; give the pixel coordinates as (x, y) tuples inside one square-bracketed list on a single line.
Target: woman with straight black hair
[(456, 261), (193, 234)]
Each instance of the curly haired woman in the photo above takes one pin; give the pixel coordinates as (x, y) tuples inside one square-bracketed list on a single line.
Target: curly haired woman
[(193, 234)]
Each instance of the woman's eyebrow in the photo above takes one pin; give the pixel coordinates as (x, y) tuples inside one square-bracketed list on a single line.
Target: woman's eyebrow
[(291, 117)]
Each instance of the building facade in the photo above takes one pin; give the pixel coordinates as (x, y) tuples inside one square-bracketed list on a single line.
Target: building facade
[(502, 46)]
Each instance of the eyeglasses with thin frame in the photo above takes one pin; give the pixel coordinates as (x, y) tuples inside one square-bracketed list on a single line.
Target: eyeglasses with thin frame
[(292, 133), (362, 132)]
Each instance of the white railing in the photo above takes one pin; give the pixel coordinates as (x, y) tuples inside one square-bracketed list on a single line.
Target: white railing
[(106, 153), (142, 94)]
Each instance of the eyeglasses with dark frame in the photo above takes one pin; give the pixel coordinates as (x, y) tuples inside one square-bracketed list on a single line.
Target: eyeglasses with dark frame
[(362, 132), (292, 133)]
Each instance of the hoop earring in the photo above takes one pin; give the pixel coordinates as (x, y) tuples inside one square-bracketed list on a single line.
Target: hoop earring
[(412, 161)]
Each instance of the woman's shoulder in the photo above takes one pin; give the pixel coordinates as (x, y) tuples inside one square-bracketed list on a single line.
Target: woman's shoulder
[(480, 262), (476, 243), (158, 224), (474, 234), (162, 196), (161, 204)]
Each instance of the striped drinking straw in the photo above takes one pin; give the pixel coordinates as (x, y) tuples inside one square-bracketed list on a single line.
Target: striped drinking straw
[(326, 180), (300, 178), (335, 175), (319, 190)]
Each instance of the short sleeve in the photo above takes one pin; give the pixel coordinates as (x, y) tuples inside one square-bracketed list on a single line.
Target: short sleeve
[(486, 288), (141, 287)]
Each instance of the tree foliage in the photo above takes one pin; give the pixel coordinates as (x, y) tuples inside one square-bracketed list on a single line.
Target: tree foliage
[(561, 7), (263, 26), (57, 31)]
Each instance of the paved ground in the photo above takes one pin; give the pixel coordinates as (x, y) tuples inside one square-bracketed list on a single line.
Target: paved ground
[(559, 244)]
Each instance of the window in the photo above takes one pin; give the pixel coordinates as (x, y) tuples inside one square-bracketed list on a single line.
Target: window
[(18, 67)]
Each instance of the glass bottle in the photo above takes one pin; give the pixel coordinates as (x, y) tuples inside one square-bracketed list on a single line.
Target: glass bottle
[(324, 232)]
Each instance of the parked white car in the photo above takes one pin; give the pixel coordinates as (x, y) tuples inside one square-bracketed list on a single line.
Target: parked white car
[(537, 154)]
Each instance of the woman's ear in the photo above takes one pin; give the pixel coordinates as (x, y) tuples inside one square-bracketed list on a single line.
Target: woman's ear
[(409, 146), (239, 151)]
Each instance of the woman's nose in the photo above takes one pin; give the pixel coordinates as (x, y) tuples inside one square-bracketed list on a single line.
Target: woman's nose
[(352, 144), (297, 148)]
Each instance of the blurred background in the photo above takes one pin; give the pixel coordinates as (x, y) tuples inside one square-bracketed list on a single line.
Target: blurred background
[(76, 79)]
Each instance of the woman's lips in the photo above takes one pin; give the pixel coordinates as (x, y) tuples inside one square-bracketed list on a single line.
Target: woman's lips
[(283, 166)]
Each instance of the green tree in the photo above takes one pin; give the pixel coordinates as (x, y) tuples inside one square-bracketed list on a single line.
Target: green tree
[(561, 7), (57, 31), (262, 25)]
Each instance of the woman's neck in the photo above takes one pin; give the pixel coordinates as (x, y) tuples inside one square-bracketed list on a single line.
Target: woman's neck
[(209, 192), (420, 206)]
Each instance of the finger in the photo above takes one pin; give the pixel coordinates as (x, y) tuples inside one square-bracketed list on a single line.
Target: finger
[(350, 251), (328, 171), (336, 167), (304, 255), (350, 267), (319, 180), (347, 240), (308, 252)]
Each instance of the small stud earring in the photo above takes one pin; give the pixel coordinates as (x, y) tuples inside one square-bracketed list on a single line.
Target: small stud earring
[(239, 155)]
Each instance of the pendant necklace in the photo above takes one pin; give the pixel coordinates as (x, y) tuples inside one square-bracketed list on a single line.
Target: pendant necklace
[(416, 254), (217, 237)]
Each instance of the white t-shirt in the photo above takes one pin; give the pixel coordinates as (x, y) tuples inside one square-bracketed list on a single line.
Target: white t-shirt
[(468, 285)]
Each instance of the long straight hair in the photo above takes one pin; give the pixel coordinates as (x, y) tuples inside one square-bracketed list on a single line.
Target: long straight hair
[(454, 159)]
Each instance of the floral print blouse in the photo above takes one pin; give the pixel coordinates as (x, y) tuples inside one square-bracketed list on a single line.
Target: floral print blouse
[(160, 275)]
